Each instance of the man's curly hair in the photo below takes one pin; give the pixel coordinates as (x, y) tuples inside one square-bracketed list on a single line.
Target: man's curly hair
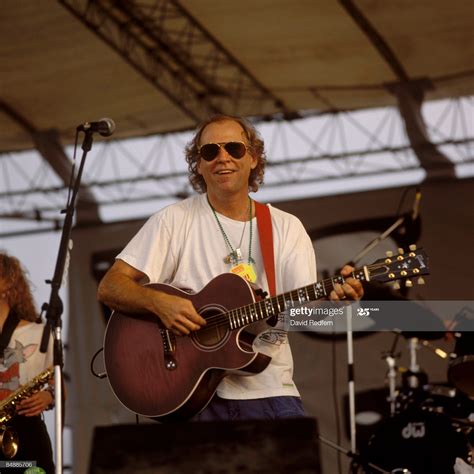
[(256, 149), (17, 291)]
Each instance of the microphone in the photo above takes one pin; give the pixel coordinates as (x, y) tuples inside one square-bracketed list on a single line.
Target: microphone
[(105, 127), (416, 205)]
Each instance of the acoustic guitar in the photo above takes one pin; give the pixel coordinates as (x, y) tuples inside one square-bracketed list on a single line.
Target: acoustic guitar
[(159, 375)]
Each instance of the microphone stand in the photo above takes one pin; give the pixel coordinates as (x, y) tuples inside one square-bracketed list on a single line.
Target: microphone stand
[(350, 378), (350, 338), (378, 239), (55, 306)]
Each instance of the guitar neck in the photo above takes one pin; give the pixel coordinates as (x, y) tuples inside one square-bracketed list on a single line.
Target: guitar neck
[(269, 307), (389, 269)]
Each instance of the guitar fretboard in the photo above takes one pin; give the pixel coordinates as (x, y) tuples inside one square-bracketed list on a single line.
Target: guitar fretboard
[(272, 306)]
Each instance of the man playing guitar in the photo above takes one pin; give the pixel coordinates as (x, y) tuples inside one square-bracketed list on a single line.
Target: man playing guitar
[(215, 232)]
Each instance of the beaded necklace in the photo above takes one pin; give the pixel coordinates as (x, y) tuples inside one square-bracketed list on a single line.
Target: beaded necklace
[(235, 254)]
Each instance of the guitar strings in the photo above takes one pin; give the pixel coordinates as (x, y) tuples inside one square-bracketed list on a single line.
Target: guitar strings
[(223, 319)]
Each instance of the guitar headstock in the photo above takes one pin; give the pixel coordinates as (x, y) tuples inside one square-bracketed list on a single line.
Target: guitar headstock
[(403, 266)]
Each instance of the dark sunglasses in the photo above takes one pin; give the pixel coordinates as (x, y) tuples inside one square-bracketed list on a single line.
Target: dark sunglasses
[(209, 151)]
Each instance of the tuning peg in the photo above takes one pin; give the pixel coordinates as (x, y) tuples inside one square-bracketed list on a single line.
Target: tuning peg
[(412, 247), (389, 253), (401, 251), (421, 281), (396, 285), (408, 283)]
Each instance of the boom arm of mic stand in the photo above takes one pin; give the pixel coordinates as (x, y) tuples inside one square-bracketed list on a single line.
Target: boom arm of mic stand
[(378, 239), (55, 306)]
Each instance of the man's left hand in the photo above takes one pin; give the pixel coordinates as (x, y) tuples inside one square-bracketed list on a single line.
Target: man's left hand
[(351, 289)]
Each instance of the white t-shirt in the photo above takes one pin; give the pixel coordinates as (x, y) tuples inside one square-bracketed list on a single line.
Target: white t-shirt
[(182, 245), (22, 359)]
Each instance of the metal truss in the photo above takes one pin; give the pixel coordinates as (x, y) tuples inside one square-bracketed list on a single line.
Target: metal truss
[(316, 149), (177, 55)]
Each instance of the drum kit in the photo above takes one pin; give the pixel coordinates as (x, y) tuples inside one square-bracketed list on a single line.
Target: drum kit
[(430, 427)]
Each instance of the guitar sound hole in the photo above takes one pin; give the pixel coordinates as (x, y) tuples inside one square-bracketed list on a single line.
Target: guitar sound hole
[(214, 333)]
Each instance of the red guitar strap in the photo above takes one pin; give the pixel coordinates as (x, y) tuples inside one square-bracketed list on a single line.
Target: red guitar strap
[(265, 233)]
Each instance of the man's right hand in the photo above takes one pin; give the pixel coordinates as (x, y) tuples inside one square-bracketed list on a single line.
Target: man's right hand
[(121, 289), (176, 313)]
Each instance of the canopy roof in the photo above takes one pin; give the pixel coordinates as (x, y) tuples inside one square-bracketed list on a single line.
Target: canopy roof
[(160, 66)]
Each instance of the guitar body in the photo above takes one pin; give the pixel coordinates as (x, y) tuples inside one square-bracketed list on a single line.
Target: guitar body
[(159, 375)]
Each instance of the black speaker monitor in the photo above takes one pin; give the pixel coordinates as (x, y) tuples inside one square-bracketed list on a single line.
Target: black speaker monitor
[(261, 446)]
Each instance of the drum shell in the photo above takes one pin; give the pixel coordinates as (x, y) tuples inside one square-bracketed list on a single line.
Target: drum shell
[(417, 440), (461, 374)]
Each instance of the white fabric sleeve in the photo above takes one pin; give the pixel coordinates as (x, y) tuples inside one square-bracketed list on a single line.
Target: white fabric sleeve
[(151, 251), (299, 263)]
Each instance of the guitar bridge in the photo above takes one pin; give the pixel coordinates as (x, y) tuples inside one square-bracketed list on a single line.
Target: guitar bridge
[(169, 348)]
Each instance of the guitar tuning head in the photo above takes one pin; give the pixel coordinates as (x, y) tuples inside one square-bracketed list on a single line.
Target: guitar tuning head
[(399, 267), (412, 247), (400, 251), (421, 281), (408, 283), (396, 285)]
